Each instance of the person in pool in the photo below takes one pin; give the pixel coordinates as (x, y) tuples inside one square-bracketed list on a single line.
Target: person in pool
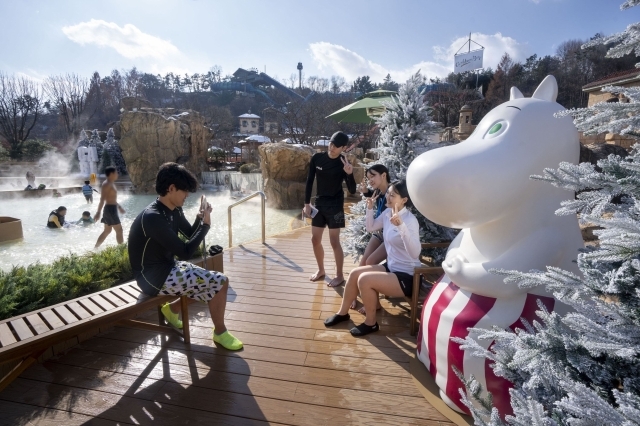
[(56, 217), (86, 219), (87, 191), (393, 278), (109, 199)]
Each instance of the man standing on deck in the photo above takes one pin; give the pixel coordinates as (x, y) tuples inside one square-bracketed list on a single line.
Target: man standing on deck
[(110, 218), (331, 168), (154, 244)]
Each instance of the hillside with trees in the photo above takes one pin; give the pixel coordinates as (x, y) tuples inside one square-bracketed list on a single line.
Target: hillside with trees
[(55, 110)]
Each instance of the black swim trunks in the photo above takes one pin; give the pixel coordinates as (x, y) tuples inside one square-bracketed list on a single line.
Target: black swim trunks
[(110, 215), (330, 216)]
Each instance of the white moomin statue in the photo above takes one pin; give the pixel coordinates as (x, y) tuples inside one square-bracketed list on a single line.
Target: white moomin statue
[(482, 185)]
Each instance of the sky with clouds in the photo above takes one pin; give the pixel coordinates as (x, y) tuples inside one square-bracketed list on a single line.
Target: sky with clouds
[(333, 37)]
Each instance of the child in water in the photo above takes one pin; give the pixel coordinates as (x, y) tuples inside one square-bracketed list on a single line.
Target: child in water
[(87, 191), (86, 219)]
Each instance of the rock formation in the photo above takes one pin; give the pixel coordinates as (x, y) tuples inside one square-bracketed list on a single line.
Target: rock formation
[(594, 152), (284, 169), (152, 137)]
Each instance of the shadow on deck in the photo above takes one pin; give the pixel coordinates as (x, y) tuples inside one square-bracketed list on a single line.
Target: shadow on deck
[(292, 370)]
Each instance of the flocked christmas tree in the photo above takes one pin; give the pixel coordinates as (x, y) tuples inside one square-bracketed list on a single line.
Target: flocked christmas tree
[(113, 154), (82, 139), (97, 143), (404, 129), (582, 368)]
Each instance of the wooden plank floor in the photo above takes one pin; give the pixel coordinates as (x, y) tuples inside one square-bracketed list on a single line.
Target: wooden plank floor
[(292, 370)]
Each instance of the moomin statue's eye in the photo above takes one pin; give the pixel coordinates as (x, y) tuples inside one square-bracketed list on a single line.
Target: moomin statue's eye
[(497, 129)]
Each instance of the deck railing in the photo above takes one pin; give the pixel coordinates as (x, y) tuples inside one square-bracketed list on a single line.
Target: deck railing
[(248, 197)]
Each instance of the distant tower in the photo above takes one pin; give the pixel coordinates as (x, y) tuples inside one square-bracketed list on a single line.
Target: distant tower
[(465, 128), (299, 75)]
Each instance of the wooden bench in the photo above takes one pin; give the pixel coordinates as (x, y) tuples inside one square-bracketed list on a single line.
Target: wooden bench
[(429, 274), (29, 335)]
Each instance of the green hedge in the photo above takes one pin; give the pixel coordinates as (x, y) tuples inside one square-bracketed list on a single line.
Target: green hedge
[(25, 289)]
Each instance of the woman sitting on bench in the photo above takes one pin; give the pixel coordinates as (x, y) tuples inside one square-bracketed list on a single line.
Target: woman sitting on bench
[(395, 277)]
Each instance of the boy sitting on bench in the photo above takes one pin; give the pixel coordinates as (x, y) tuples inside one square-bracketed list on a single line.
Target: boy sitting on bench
[(154, 244)]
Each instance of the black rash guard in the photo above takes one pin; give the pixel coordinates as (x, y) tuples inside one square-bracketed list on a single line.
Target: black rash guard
[(330, 174), (154, 243)]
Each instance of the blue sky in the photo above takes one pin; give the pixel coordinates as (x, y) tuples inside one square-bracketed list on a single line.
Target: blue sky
[(346, 37)]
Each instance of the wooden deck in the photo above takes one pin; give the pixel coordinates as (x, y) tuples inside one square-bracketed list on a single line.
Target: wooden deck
[(292, 370)]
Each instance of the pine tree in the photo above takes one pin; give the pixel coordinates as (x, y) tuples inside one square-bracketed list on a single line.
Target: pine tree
[(582, 368), (404, 129), (82, 139), (97, 143), (112, 147), (105, 162)]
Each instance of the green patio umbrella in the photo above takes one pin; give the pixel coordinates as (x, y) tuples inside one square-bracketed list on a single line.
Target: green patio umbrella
[(362, 110)]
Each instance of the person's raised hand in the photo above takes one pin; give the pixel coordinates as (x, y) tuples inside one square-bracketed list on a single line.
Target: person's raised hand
[(371, 201), (348, 168), (395, 218)]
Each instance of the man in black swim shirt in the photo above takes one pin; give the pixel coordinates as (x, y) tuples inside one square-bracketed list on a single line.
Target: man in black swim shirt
[(331, 168), (154, 244)]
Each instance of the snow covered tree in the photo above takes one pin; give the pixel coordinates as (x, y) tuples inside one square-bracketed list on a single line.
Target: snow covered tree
[(404, 130), (114, 152), (582, 368), (97, 143), (82, 139)]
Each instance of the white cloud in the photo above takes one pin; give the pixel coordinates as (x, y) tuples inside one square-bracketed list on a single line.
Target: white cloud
[(342, 61), (495, 45), (128, 41), (348, 64)]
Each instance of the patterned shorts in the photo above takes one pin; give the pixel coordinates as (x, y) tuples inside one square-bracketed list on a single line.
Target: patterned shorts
[(187, 279)]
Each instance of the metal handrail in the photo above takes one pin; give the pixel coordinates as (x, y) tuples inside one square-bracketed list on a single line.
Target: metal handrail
[(248, 197)]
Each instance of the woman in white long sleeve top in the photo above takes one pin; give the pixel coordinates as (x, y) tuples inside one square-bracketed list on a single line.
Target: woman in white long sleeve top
[(394, 278)]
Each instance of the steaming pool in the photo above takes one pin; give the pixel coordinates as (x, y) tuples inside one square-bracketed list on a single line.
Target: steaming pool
[(44, 245)]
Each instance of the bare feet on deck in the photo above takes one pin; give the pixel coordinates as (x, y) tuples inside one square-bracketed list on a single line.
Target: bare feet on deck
[(364, 312), (337, 281), (319, 275)]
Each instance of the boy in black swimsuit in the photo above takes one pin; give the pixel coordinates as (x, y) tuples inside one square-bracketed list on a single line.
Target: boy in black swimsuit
[(331, 168), (154, 244)]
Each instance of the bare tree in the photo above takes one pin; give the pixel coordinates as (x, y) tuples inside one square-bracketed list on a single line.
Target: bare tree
[(338, 84), (132, 80), (305, 121), (20, 108), (68, 95)]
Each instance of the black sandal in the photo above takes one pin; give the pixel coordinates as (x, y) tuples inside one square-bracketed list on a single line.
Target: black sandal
[(364, 329), (336, 319)]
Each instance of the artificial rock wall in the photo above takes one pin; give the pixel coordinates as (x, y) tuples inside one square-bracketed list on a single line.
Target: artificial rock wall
[(151, 137)]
